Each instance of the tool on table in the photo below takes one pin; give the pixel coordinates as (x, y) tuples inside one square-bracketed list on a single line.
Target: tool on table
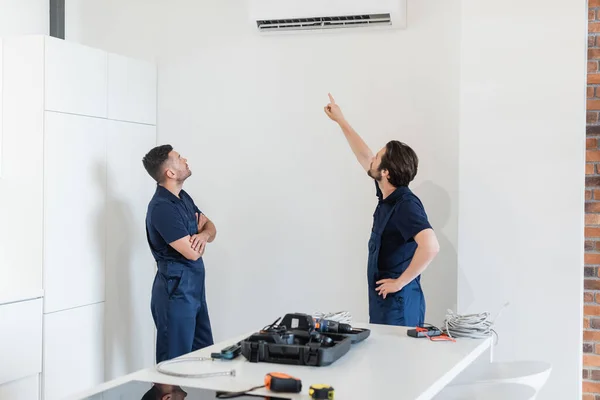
[(325, 392), (431, 332), (305, 322), (325, 325), (301, 339), (274, 381), (228, 353), (284, 383)]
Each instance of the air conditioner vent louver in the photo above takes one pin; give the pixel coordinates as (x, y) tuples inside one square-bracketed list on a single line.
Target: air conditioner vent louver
[(348, 21)]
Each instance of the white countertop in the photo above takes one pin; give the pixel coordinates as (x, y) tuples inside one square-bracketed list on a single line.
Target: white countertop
[(388, 364)]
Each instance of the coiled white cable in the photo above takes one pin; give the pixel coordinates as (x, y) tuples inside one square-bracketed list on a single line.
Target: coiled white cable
[(161, 368), (343, 317), (474, 326)]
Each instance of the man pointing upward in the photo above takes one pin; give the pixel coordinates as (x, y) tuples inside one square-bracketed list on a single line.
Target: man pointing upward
[(402, 242)]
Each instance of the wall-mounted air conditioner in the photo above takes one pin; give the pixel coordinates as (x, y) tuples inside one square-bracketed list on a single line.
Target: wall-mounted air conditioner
[(311, 15)]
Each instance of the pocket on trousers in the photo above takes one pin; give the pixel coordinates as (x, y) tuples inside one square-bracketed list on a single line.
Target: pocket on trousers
[(173, 283)]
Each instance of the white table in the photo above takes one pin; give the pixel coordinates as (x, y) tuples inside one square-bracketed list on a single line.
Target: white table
[(387, 365)]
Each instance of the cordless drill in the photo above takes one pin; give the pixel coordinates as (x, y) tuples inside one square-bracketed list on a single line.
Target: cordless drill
[(326, 325), (307, 323)]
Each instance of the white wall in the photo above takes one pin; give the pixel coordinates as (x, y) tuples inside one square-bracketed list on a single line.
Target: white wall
[(24, 17), (522, 178), (292, 206)]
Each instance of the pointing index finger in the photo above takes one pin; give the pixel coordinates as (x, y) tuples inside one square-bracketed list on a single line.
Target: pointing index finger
[(331, 99)]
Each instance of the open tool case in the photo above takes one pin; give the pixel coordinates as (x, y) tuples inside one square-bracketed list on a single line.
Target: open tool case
[(298, 341)]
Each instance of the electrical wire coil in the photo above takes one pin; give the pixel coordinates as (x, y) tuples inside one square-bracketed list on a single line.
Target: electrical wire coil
[(161, 368)]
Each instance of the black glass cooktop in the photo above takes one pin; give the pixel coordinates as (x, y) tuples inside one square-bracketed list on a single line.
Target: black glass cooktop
[(136, 390)]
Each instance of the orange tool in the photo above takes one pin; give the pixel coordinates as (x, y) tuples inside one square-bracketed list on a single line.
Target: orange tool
[(279, 382)]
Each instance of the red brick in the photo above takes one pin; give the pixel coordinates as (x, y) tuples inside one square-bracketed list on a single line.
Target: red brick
[(591, 41), (592, 155), (586, 323), (594, 27), (592, 207), (592, 258), (591, 117), (592, 66), (592, 232), (591, 143), (593, 105), (591, 15), (594, 79), (588, 194), (591, 284), (597, 298), (591, 387), (588, 396), (590, 360), (589, 169), (591, 310), (590, 92), (593, 3), (591, 336), (589, 245), (597, 194), (593, 181), (596, 92), (588, 297), (593, 219)]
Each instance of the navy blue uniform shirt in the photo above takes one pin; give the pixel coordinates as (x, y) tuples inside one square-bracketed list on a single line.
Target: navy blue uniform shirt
[(397, 242), (168, 219)]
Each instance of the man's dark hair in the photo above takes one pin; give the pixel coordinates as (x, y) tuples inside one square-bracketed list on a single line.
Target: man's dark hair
[(401, 162), (152, 394), (155, 159)]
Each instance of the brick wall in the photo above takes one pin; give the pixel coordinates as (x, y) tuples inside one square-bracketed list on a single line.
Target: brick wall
[(591, 297)]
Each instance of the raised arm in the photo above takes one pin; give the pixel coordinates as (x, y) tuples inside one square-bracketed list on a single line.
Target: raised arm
[(363, 154)]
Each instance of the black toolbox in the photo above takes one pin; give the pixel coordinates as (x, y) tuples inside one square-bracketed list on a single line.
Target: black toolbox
[(300, 344)]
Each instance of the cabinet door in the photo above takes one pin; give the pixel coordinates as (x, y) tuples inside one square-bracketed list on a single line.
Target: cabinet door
[(76, 78), (23, 389), (74, 210), (130, 266), (20, 340), (21, 175), (73, 351), (131, 90)]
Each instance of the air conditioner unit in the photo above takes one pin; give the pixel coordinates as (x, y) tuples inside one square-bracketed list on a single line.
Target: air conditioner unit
[(310, 15)]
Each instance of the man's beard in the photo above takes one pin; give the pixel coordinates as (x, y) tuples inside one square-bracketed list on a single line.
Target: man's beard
[(184, 176), (375, 174)]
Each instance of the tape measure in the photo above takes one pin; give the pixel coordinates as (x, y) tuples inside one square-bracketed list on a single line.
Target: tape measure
[(321, 392), (279, 382)]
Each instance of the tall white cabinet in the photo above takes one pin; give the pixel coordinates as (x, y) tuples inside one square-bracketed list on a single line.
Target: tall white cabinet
[(75, 268)]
